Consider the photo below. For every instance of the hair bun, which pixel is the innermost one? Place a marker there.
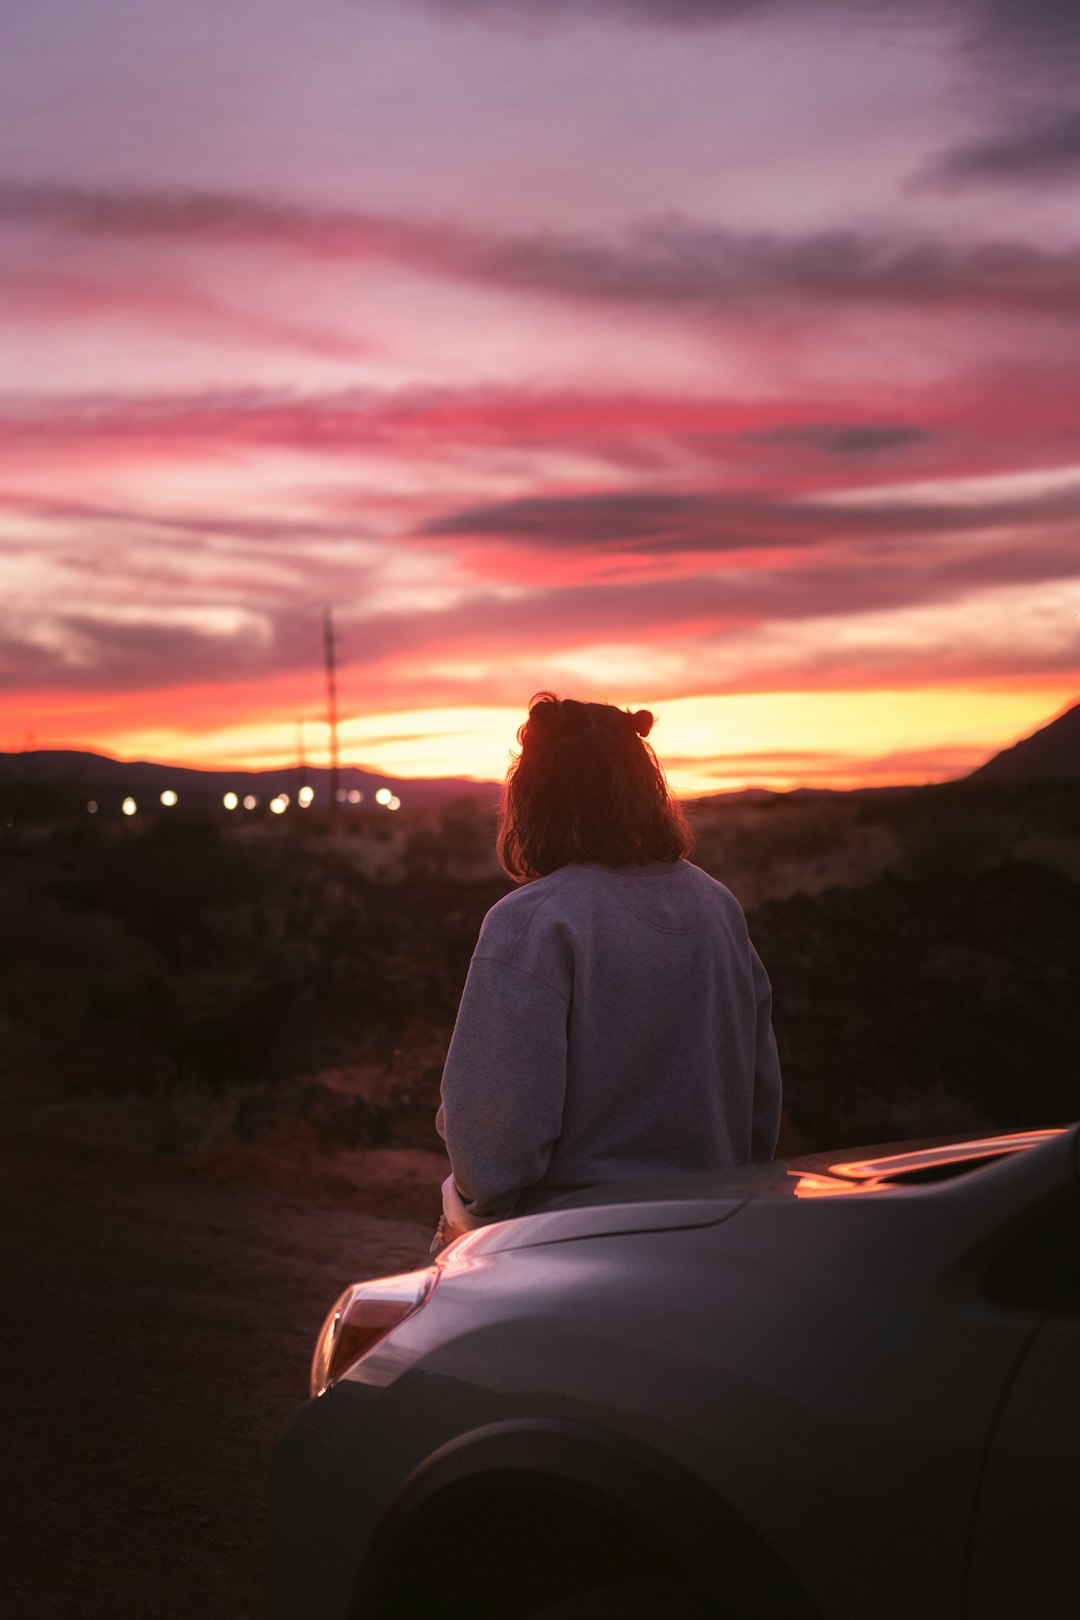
(544, 709)
(642, 722)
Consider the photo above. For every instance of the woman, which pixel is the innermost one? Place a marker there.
(615, 1022)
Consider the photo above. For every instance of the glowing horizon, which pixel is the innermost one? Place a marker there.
(476, 745)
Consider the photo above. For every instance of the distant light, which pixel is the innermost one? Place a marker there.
(355, 796)
(168, 797)
(393, 802)
(250, 801)
(284, 797)
(305, 796)
(92, 807)
(230, 801)
(383, 796)
(279, 805)
(341, 795)
(129, 807)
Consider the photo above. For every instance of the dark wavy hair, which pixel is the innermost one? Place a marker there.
(586, 787)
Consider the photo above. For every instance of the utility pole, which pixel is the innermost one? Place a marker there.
(331, 703)
(301, 763)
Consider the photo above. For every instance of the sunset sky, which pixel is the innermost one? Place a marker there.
(719, 356)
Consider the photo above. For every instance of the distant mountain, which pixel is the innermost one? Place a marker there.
(802, 795)
(110, 781)
(1051, 754)
(750, 795)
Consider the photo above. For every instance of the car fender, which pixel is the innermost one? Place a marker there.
(705, 1538)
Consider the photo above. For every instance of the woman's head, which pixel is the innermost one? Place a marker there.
(586, 787)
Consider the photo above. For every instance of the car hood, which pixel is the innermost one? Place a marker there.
(670, 1202)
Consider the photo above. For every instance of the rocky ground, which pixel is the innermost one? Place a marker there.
(159, 1313)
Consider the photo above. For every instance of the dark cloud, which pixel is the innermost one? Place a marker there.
(1049, 152)
(81, 649)
(1023, 35)
(1027, 59)
(725, 521)
(675, 262)
(222, 218)
(670, 262)
(25, 664)
(86, 652)
(843, 439)
(572, 520)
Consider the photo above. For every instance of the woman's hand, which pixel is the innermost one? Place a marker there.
(454, 1220)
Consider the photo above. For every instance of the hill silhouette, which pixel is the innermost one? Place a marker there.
(109, 781)
(1051, 754)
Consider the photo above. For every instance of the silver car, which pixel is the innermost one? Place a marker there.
(832, 1387)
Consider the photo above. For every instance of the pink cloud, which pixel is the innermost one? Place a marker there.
(62, 297)
(670, 262)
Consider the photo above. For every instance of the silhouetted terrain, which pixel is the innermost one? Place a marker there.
(299, 982)
(1051, 754)
(38, 781)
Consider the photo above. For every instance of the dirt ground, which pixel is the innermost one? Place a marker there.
(159, 1313)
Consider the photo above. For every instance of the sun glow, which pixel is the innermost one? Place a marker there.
(707, 743)
(838, 739)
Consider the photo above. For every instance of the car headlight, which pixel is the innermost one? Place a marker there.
(365, 1313)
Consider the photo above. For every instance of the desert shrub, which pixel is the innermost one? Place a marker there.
(964, 988)
(182, 951)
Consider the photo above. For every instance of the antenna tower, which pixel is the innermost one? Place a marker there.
(301, 762)
(331, 703)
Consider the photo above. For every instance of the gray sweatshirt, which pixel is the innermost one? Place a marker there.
(615, 1024)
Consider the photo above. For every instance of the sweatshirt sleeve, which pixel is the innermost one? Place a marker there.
(765, 1126)
(503, 1085)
